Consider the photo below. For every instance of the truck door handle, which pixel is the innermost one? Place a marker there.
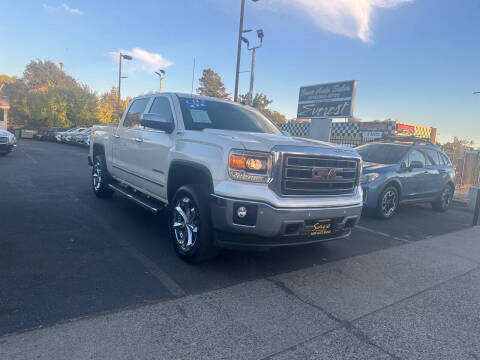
(116, 136)
(139, 140)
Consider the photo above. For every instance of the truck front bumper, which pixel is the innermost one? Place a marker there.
(268, 226)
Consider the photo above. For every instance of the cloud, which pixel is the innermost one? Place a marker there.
(143, 60)
(351, 18)
(64, 8)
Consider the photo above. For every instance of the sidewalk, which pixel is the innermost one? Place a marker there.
(416, 301)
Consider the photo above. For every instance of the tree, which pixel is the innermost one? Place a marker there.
(211, 85)
(261, 102)
(107, 107)
(16, 91)
(42, 75)
(457, 145)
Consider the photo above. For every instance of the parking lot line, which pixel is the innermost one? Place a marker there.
(28, 156)
(381, 233)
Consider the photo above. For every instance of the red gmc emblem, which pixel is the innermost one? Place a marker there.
(327, 174)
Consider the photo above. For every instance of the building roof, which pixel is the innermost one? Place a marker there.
(4, 101)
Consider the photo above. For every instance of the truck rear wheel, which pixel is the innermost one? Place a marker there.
(190, 224)
(101, 178)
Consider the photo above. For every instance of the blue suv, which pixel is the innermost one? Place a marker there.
(404, 169)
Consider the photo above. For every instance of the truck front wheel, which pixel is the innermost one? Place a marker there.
(190, 223)
(101, 178)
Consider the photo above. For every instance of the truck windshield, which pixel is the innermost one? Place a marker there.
(382, 153)
(199, 114)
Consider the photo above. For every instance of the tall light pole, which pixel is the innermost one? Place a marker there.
(126, 57)
(252, 71)
(161, 75)
(239, 47)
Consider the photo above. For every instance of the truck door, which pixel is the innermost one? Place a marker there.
(126, 141)
(154, 149)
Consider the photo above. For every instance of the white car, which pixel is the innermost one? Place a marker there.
(226, 174)
(8, 141)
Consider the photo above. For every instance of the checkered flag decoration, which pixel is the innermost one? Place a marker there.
(296, 129)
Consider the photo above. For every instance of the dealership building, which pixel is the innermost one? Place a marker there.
(4, 106)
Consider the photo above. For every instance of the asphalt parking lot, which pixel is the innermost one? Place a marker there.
(66, 254)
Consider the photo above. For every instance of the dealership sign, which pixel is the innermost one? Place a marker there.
(332, 100)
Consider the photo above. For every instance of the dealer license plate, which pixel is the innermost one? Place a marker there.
(321, 227)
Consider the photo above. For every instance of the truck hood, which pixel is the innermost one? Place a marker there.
(265, 142)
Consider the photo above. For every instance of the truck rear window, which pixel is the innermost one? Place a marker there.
(199, 114)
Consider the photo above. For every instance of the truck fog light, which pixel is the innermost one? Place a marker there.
(241, 212)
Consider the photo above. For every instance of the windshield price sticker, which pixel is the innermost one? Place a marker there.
(195, 104)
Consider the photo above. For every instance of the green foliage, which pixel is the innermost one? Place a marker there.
(262, 102)
(46, 96)
(211, 85)
(43, 75)
(108, 112)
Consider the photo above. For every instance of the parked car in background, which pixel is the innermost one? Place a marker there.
(405, 169)
(70, 137)
(60, 135)
(84, 137)
(8, 142)
(52, 133)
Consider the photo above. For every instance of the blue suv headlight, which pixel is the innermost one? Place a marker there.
(368, 178)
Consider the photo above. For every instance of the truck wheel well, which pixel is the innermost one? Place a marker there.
(184, 173)
(97, 149)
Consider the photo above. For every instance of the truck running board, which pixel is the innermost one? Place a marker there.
(136, 198)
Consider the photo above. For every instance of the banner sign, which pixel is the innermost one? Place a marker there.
(406, 128)
(332, 100)
(373, 126)
(372, 134)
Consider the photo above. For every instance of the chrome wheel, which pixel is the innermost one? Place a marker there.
(186, 223)
(389, 203)
(97, 175)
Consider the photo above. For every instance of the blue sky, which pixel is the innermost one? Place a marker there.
(415, 60)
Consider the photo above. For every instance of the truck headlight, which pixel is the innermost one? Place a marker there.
(368, 178)
(250, 166)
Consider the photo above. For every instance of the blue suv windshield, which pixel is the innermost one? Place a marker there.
(382, 153)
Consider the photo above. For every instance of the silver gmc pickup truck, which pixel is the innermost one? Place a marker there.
(226, 175)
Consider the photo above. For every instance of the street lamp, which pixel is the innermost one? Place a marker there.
(239, 47)
(161, 75)
(120, 77)
(252, 71)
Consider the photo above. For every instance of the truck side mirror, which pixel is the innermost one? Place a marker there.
(157, 122)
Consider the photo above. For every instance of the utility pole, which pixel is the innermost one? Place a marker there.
(252, 77)
(161, 75)
(252, 71)
(239, 49)
(126, 57)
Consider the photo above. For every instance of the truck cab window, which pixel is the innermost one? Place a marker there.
(132, 119)
(161, 106)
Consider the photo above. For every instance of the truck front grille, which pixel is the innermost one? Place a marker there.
(3, 140)
(318, 175)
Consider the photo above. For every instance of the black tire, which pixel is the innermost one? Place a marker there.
(194, 223)
(101, 178)
(388, 202)
(444, 200)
